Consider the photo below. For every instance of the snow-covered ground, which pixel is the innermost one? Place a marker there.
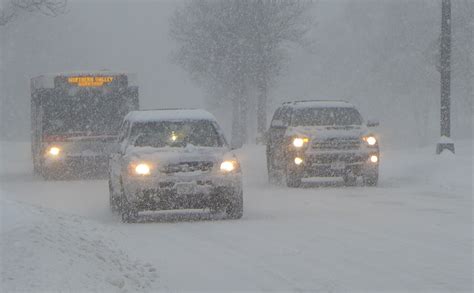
(411, 233)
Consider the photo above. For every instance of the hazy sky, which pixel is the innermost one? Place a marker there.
(372, 53)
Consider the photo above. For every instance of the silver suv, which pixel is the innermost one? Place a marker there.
(173, 159)
(321, 139)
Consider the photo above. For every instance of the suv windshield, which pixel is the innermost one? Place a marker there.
(175, 134)
(326, 116)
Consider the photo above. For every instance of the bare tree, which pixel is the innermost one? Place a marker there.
(236, 47)
(13, 8)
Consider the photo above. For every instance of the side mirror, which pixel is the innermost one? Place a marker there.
(372, 123)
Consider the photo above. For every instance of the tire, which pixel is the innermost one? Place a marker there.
(49, 174)
(293, 179)
(350, 180)
(272, 173)
(114, 201)
(36, 167)
(371, 180)
(235, 209)
(129, 214)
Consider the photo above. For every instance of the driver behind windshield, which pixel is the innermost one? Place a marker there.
(175, 134)
(326, 117)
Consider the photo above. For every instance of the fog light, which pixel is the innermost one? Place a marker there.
(374, 159)
(298, 161)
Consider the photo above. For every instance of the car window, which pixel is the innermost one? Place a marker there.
(123, 131)
(175, 134)
(286, 116)
(276, 121)
(326, 117)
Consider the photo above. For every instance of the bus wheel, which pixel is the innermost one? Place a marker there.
(49, 174)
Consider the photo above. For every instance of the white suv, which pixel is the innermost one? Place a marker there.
(173, 159)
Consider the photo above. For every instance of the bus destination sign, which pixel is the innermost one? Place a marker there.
(90, 81)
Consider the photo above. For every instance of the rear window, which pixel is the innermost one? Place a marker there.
(326, 117)
(175, 134)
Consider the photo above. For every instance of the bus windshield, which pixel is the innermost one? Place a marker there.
(88, 112)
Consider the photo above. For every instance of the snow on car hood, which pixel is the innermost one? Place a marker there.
(328, 132)
(173, 155)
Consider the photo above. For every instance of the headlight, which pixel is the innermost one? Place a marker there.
(142, 169)
(54, 151)
(370, 140)
(374, 159)
(229, 166)
(298, 161)
(299, 141)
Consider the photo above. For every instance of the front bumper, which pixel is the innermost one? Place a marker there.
(166, 192)
(335, 163)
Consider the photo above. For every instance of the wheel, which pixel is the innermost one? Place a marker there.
(272, 173)
(350, 180)
(371, 180)
(293, 179)
(114, 201)
(36, 167)
(129, 216)
(129, 213)
(235, 209)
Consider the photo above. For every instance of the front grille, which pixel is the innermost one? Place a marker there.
(337, 144)
(331, 158)
(185, 167)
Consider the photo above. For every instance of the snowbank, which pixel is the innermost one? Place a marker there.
(44, 250)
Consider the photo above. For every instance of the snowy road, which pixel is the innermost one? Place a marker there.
(412, 233)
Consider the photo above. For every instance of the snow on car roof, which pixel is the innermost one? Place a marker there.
(320, 104)
(169, 114)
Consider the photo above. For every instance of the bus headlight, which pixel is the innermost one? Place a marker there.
(228, 166)
(54, 151)
(299, 142)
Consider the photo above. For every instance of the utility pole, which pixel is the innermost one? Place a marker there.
(445, 141)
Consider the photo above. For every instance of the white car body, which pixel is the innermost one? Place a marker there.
(188, 177)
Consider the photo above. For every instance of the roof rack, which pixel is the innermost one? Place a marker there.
(309, 101)
(164, 109)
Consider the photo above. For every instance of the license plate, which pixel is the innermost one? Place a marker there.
(185, 188)
(338, 165)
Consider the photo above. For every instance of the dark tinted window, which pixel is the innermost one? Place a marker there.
(326, 116)
(175, 134)
(277, 115)
(286, 116)
(90, 111)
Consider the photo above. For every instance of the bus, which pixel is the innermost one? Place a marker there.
(75, 118)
